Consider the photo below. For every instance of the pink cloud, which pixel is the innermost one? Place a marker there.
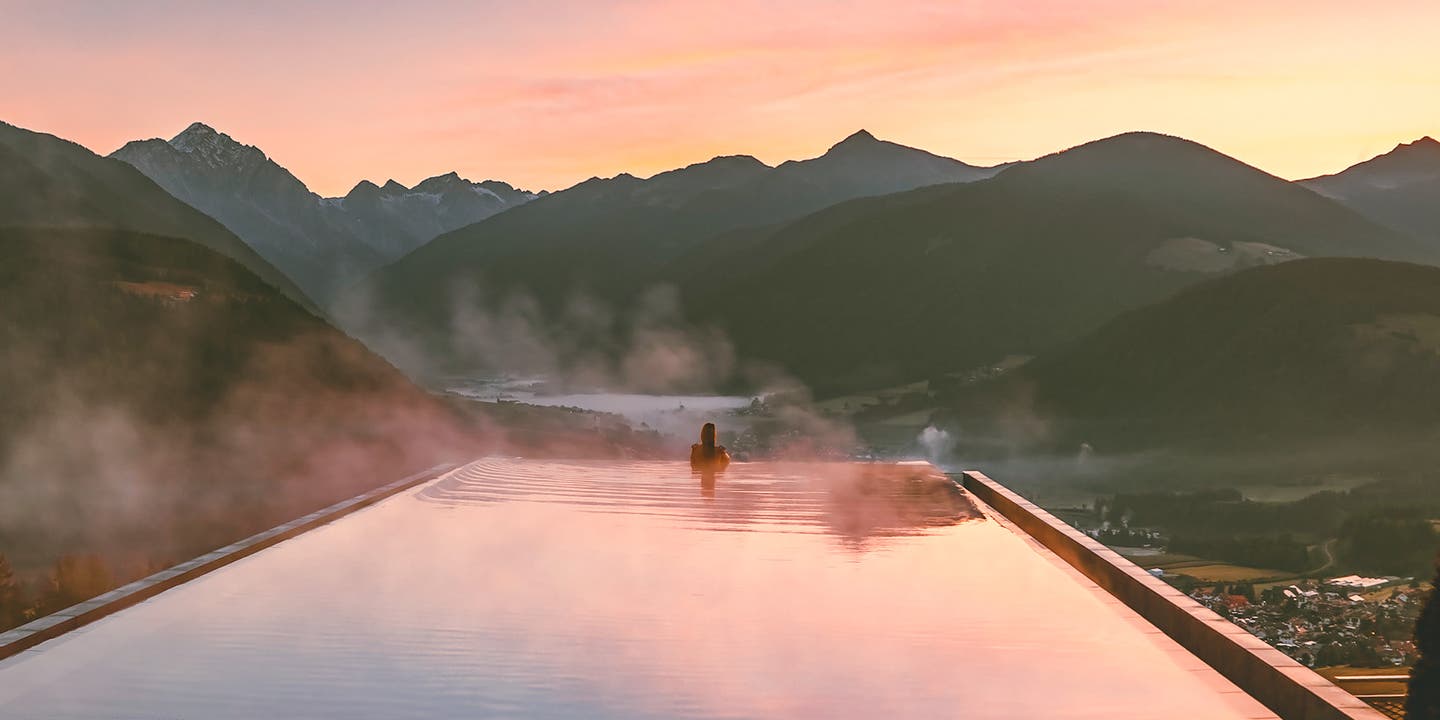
(545, 96)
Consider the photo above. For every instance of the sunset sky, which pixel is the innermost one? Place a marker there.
(545, 95)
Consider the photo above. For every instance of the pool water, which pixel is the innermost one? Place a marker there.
(514, 588)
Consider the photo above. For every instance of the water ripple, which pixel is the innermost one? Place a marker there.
(848, 499)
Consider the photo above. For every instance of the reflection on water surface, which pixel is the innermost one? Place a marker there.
(851, 500)
(633, 590)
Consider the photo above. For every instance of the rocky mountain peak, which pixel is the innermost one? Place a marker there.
(442, 183)
(215, 147)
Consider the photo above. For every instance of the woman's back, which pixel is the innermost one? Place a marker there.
(710, 458)
(706, 454)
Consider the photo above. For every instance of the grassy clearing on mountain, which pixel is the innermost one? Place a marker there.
(1222, 572)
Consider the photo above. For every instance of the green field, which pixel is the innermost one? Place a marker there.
(1223, 572)
(1366, 687)
(1205, 570)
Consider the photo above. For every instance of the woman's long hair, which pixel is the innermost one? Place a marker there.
(707, 438)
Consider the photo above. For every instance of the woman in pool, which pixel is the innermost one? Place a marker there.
(706, 455)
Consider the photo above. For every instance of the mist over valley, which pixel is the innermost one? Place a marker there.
(1196, 360)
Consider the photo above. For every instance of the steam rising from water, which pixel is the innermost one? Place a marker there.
(233, 411)
(937, 443)
(590, 346)
(647, 347)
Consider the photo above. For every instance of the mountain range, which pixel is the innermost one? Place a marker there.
(321, 243)
(49, 182)
(1161, 289)
(1333, 354)
(849, 287)
(1400, 189)
(869, 265)
(609, 240)
(886, 290)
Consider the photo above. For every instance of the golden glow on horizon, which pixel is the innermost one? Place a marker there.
(340, 92)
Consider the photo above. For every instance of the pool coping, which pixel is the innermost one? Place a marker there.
(49, 627)
(1280, 683)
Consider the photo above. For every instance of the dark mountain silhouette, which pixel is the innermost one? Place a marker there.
(610, 238)
(1400, 189)
(47, 181)
(862, 165)
(323, 243)
(161, 400)
(162, 394)
(1315, 353)
(900, 287)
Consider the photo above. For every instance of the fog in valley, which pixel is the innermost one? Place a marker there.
(645, 363)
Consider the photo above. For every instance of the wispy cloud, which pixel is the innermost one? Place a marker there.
(545, 96)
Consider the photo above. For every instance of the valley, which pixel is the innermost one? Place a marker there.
(710, 359)
(1228, 376)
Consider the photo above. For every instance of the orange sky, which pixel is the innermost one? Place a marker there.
(546, 95)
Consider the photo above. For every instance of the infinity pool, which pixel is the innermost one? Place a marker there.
(515, 588)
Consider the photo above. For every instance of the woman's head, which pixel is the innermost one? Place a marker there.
(707, 435)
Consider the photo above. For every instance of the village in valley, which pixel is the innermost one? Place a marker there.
(1352, 621)
(1321, 621)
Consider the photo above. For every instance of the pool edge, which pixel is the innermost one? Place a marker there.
(1286, 687)
(49, 627)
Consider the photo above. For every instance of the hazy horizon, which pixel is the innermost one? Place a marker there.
(543, 100)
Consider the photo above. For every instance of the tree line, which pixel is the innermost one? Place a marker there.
(1383, 528)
